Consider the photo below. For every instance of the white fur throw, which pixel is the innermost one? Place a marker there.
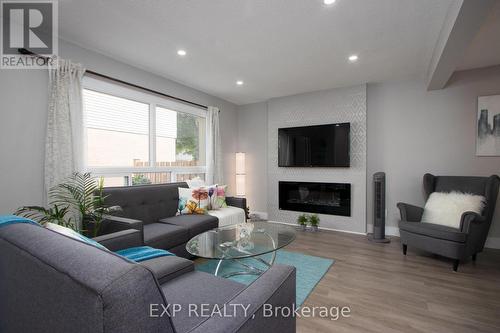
(447, 208)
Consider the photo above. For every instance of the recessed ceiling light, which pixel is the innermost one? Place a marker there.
(353, 58)
(239, 82)
(329, 2)
(182, 53)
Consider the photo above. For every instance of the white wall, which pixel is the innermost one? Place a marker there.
(321, 107)
(412, 131)
(252, 139)
(108, 66)
(23, 107)
(257, 130)
(23, 113)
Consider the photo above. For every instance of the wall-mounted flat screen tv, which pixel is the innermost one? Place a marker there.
(314, 146)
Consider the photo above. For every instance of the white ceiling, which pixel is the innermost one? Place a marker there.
(484, 50)
(277, 47)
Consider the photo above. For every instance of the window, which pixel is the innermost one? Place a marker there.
(136, 138)
(117, 130)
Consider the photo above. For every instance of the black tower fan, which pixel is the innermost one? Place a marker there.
(378, 235)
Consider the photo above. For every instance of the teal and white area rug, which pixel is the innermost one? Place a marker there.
(310, 270)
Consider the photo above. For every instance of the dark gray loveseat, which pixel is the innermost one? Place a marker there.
(151, 209)
(55, 284)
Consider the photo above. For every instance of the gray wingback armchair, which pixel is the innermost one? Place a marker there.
(457, 244)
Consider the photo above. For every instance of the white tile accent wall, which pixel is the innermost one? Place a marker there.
(323, 107)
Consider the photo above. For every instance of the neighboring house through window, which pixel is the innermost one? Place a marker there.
(135, 138)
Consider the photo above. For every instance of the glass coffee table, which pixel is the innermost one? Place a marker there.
(241, 241)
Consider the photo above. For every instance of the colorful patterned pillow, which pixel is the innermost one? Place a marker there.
(193, 200)
(220, 200)
(212, 196)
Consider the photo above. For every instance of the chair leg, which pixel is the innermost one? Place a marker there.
(455, 264)
(405, 247)
(474, 257)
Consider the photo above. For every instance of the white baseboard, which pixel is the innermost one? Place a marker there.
(389, 231)
(491, 242)
(323, 228)
(262, 215)
(392, 231)
(345, 231)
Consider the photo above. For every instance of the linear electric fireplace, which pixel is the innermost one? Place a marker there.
(323, 198)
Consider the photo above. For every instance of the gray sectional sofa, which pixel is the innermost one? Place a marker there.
(152, 209)
(53, 283)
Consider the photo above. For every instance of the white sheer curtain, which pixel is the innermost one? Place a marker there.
(214, 154)
(64, 144)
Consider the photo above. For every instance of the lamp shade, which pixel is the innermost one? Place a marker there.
(240, 185)
(240, 174)
(240, 163)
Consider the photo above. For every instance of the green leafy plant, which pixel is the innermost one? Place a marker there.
(187, 135)
(302, 220)
(140, 179)
(79, 200)
(314, 220)
(44, 215)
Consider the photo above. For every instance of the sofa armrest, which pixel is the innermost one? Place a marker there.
(120, 240)
(112, 224)
(470, 221)
(238, 202)
(409, 212)
(275, 288)
(168, 267)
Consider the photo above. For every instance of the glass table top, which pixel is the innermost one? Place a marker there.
(241, 240)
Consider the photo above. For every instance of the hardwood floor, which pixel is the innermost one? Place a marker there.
(388, 292)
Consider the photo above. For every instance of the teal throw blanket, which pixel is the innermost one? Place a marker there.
(12, 219)
(142, 253)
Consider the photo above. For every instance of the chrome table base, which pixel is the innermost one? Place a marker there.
(249, 269)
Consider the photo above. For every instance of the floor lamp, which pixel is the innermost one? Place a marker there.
(240, 174)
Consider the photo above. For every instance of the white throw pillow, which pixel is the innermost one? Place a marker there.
(73, 234)
(195, 182)
(447, 208)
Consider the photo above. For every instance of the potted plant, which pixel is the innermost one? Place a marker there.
(314, 222)
(76, 203)
(302, 221)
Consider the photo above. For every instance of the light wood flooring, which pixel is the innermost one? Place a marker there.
(388, 292)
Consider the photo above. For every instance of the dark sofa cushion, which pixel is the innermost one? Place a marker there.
(191, 288)
(147, 203)
(433, 230)
(168, 268)
(164, 236)
(196, 224)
